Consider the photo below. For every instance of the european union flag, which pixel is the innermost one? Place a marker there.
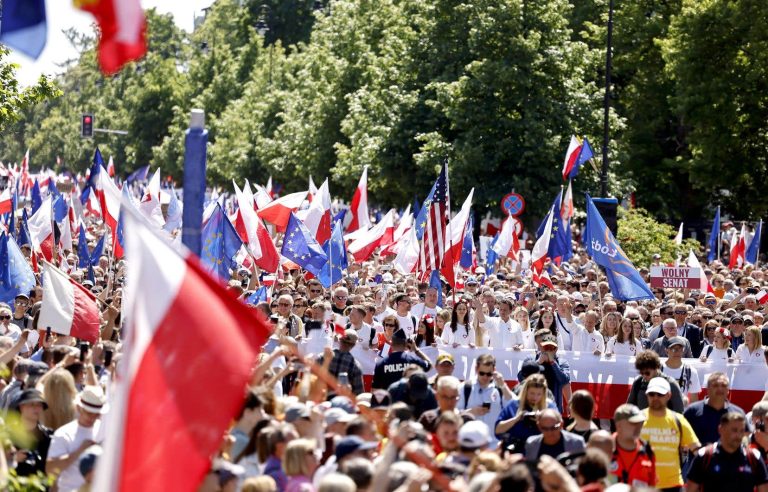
(754, 245)
(83, 256)
(340, 216)
(301, 248)
(421, 218)
(24, 235)
(714, 238)
(467, 245)
(585, 154)
(138, 175)
(625, 282)
(337, 255)
(98, 250)
(24, 26)
(260, 295)
(491, 256)
(98, 163)
(37, 197)
(434, 282)
(560, 246)
(16, 275)
(220, 244)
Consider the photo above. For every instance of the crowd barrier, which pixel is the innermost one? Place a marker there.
(607, 378)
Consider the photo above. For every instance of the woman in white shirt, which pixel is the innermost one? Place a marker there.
(524, 320)
(460, 331)
(624, 343)
(610, 325)
(751, 351)
(721, 351)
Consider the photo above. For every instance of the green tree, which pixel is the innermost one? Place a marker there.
(640, 236)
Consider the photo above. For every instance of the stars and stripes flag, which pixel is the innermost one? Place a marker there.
(438, 210)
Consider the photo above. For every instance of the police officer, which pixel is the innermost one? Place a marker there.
(390, 369)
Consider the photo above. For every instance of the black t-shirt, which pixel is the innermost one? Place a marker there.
(554, 450)
(713, 469)
(390, 369)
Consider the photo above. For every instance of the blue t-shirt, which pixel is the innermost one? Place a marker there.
(705, 419)
(522, 430)
(390, 369)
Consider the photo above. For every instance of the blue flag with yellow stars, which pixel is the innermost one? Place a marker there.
(624, 280)
(220, 244)
(16, 276)
(300, 247)
(337, 254)
(560, 245)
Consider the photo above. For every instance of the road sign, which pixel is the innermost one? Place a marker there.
(513, 204)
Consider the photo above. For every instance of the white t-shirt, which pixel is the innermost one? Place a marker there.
(625, 348)
(565, 331)
(420, 309)
(66, 440)
(528, 341)
(406, 324)
(756, 357)
(461, 337)
(694, 386)
(717, 355)
(501, 334)
(584, 341)
(477, 397)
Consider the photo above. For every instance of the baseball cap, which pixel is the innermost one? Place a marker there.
(344, 403)
(676, 341)
(471, 280)
(658, 385)
(295, 412)
(474, 434)
(351, 444)
(630, 413)
(336, 415)
(549, 340)
(445, 357)
(349, 337)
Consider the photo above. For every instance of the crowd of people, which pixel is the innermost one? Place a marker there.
(318, 422)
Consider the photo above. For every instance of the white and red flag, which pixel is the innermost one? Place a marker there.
(41, 229)
(5, 201)
(68, 308)
(455, 240)
(508, 244)
(539, 253)
(379, 235)
(174, 400)
(279, 211)
(738, 248)
(359, 207)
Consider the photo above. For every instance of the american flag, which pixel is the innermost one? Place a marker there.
(437, 203)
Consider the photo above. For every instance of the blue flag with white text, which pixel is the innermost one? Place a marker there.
(624, 280)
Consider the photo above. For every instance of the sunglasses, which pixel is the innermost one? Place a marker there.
(316, 291)
(300, 305)
(5, 317)
(681, 312)
(390, 325)
(341, 297)
(483, 373)
(550, 429)
(284, 304)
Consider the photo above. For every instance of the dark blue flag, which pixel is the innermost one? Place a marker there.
(491, 256)
(337, 255)
(714, 238)
(98, 250)
(340, 216)
(138, 175)
(220, 244)
(467, 245)
(23, 230)
(37, 197)
(754, 247)
(16, 276)
(300, 247)
(625, 282)
(560, 246)
(421, 218)
(82, 249)
(91, 274)
(12, 215)
(416, 208)
(435, 283)
(24, 26)
(260, 295)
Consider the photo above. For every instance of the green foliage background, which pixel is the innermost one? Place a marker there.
(496, 87)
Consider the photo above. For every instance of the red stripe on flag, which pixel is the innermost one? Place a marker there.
(85, 320)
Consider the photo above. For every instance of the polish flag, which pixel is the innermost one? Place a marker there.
(693, 262)
(409, 253)
(162, 380)
(5, 201)
(571, 156)
(455, 229)
(279, 211)
(150, 203)
(262, 198)
(762, 297)
(68, 308)
(566, 210)
(359, 207)
(111, 167)
(738, 249)
(398, 237)
(539, 254)
(379, 235)
(246, 222)
(109, 200)
(508, 244)
(317, 217)
(41, 229)
(122, 29)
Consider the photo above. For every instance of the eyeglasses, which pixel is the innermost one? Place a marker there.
(390, 325)
(681, 312)
(737, 322)
(5, 317)
(284, 304)
(316, 291)
(300, 305)
(550, 429)
(483, 373)
(634, 318)
(341, 298)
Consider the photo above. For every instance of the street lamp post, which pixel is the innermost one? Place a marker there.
(262, 27)
(607, 103)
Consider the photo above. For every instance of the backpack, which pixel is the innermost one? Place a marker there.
(685, 378)
(468, 391)
(710, 348)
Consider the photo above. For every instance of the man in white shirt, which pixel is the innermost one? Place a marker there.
(365, 332)
(565, 322)
(429, 306)
(72, 439)
(487, 395)
(407, 322)
(382, 303)
(586, 338)
(503, 331)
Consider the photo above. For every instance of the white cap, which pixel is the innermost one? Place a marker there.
(474, 434)
(658, 385)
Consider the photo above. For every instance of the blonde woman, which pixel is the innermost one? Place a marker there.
(299, 464)
(523, 318)
(610, 325)
(443, 318)
(624, 343)
(517, 421)
(751, 351)
(721, 351)
(60, 392)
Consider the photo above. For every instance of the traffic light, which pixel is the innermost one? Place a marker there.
(86, 125)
